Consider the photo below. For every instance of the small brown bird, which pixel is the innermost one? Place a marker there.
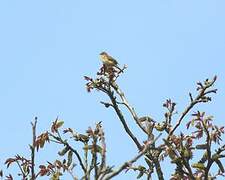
(108, 60)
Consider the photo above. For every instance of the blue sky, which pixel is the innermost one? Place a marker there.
(46, 47)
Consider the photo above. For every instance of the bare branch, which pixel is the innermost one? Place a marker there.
(32, 147)
(125, 102)
(128, 163)
(72, 149)
(201, 95)
(122, 119)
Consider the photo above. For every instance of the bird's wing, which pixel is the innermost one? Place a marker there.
(112, 59)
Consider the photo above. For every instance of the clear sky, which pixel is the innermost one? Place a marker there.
(47, 46)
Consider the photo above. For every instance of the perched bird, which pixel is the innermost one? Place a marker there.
(145, 119)
(108, 60)
(147, 124)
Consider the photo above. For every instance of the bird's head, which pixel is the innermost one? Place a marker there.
(103, 53)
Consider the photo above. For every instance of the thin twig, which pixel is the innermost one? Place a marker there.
(86, 158)
(103, 153)
(72, 149)
(33, 147)
(94, 156)
(208, 149)
(128, 163)
(201, 94)
(21, 169)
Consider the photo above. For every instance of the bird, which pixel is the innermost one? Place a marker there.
(108, 60)
(147, 123)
